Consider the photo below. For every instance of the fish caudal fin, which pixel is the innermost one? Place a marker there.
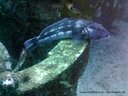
(30, 44)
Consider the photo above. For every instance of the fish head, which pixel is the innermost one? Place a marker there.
(96, 31)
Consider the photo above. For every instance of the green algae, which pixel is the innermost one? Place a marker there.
(59, 59)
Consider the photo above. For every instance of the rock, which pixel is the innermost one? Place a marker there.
(57, 74)
(5, 63)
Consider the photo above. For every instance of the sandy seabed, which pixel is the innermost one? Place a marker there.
(107, 71)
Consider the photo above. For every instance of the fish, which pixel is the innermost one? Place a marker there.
(67, 28)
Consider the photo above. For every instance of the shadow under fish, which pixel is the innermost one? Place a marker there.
(68, 28)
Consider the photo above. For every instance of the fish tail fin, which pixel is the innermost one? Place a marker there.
(31, 44)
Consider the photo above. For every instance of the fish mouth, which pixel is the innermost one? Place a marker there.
(98, 31)
(100, 34)
(105, 34)
(105, 37)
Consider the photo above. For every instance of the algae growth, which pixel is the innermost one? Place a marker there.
(59, 59)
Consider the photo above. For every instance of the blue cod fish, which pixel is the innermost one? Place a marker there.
(68, 28)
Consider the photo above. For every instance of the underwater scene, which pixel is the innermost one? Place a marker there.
(63, 47)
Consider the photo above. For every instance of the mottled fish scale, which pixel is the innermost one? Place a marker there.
(67, 29)
(54, 26)
(65, 23)
(74, 25)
